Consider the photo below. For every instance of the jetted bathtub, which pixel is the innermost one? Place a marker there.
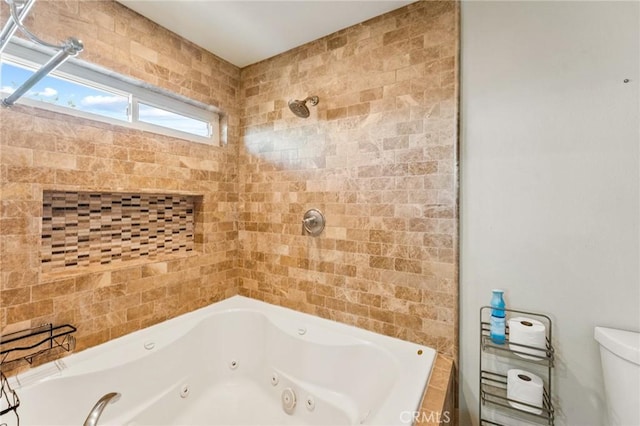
(236, 362)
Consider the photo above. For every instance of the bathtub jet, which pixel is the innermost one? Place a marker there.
(300, 108)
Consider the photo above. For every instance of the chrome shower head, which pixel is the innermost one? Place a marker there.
(300, 108)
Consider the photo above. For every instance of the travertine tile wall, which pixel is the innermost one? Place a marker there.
(377, 156)
(41, 150)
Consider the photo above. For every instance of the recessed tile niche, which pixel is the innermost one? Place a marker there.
(81, 229)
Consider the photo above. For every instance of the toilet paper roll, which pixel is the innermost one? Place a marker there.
(530, 332)
(524, 387)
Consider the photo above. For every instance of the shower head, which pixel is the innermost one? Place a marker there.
(300, 109)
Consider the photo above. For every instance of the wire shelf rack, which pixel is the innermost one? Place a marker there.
(28, 344)
(493, 385)
(9, 401)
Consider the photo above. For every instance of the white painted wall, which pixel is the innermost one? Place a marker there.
(550, 180)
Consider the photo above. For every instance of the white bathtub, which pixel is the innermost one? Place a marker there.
(228, 364)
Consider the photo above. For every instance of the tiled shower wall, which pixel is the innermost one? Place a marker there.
(46, 151)
(377, 156)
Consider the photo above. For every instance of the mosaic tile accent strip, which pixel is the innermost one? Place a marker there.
(89, 228)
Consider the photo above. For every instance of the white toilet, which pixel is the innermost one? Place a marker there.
(620, 354)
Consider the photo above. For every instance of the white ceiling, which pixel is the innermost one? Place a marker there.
(246, 32)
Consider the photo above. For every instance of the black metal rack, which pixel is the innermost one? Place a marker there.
(35, 341)
(26, 345)
(9, 400)
(493, 385)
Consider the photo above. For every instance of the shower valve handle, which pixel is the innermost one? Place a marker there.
(306, 224)
(313, 223)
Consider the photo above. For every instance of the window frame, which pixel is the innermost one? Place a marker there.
(28, 55)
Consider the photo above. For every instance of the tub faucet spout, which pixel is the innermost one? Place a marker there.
(96, 411)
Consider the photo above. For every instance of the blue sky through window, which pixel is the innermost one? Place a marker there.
(102, 102)
(65, 93)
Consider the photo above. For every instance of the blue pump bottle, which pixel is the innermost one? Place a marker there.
(497, 325)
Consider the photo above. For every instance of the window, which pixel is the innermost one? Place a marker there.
(85, 90)
(65, 93)
(161, 117)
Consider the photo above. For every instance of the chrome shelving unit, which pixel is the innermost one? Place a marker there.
(493, 385)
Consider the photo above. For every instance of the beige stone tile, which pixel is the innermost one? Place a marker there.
(52, 289)
(27, 311)
(377, 156)
(17, 296)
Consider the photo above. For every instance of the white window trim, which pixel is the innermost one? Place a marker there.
(30, 55)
